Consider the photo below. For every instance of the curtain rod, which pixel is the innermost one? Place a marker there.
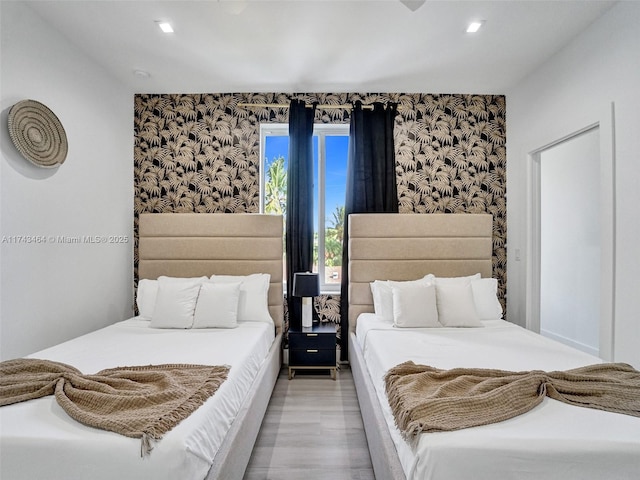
(286, 105)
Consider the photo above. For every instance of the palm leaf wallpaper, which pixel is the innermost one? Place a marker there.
(201, 153)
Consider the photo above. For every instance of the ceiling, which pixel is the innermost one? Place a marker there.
(320, 45)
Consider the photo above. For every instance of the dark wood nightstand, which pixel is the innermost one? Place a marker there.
(313, 348)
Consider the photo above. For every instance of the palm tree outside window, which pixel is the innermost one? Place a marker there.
(330, 147)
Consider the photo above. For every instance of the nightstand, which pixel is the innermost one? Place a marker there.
(313, 348)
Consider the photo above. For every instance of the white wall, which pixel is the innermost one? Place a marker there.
(52, 291)
(570, 241)
(572, 90)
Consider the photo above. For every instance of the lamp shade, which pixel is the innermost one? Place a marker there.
(306, 284)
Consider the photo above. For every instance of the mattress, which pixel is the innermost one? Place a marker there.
(39, 440)
(552, 441)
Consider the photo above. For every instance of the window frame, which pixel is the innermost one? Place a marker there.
(320, 130)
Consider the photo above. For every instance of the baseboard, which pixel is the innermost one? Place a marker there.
(572, 343)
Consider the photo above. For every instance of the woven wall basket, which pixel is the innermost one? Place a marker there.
(37, 134)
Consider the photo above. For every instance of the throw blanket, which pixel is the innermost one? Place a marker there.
(141, 402)
(427, 399)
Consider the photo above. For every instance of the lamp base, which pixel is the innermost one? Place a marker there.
(307, 319)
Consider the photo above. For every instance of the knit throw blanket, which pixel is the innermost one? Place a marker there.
(427, 399)
(141, 402)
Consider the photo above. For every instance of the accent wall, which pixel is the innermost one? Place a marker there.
(201, 153)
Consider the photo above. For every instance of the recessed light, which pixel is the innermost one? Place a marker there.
(474, 27)
(165, 27)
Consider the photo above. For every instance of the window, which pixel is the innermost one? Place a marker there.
(330, 144)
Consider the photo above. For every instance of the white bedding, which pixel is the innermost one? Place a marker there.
(39, 440)
(552, 441)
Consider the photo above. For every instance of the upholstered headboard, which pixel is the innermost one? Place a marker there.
(196, 244)
(391, 246)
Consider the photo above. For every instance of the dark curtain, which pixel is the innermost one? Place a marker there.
(371, 183)
(299, 221)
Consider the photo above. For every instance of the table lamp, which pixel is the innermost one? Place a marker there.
(306, 285)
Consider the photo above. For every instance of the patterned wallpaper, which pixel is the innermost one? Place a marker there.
(201, 153)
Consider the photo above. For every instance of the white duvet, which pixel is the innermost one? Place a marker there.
(552, 441)
(38, 440)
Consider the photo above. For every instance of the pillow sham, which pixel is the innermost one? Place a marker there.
(456, 280)
(146, 297)
(175, 304)
(148, 292)
(382, 299)
(414, 305)
(217, 305)
(253, 304)
(382, 293)
(485, 296)
(455, 303)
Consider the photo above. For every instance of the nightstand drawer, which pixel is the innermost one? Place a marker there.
(318, 341)
(312, 357)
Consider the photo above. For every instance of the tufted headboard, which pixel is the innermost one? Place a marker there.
(196, 244)
(392, 246)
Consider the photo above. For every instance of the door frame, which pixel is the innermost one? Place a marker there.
(606, 127)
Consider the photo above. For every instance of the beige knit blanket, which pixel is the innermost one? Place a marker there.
(141, 402)
(427, 399)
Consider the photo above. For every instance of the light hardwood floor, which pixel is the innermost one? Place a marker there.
(312, 431)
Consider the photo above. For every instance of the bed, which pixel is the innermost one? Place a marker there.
(552, 441)
(38, 439)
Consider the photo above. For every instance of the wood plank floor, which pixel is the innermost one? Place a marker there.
(313, 431)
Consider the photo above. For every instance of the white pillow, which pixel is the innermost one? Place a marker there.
(148, 291)
(254, 295)
(383, 295)
(146, 297)
(414, 305)
(456, 307)
(175, 304)
(485, 296)
(456, 280)
(217, 305)
(382, 299)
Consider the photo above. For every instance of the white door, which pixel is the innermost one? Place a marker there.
(570, 241)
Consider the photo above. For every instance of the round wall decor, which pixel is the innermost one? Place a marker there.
(37, 134)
